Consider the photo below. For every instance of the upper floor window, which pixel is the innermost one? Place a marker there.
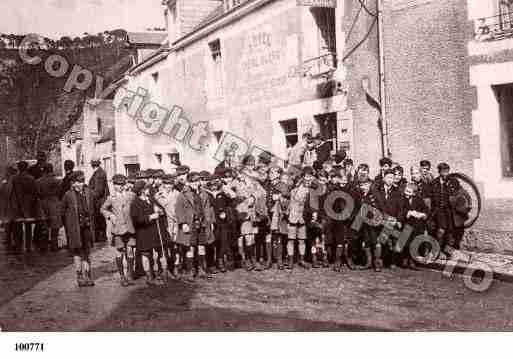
(216, 76)
(230, 4)
(494, 20)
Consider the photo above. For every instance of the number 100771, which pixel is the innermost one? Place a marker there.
(29, 347)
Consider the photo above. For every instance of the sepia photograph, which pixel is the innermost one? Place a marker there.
(255, 166)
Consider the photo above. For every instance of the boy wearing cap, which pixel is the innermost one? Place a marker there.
(338, 211)
(116, 210)
(144, 217)
(195, 221)
(78, 212)
(388, 203)
(250, 199)
(385, 164)
(444, 191)
(167, 197)
(297, 224)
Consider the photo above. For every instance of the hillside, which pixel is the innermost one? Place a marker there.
(35, 111)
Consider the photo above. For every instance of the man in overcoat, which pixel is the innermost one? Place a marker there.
(48, 189)
(99, 187)
(195, 225)
(78, 212)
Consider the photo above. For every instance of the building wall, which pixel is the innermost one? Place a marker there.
(491, 64)
(258, 53)
(429, 99)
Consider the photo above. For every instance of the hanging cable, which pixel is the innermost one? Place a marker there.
(362, 3)
(354, 23)
(350, 52)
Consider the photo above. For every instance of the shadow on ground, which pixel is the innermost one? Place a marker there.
(170, 308)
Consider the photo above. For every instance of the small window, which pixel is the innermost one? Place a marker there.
(218, 135)
(99, 125)
(290, 130)
(217, 68)
(158, 156)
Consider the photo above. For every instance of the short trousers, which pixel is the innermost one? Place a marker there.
(87, 243)
(127, 239)
(297, 231)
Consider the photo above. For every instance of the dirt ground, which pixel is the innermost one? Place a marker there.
(38, 293)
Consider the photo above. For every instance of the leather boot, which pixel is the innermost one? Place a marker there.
(130, 269)
(80, 280)
(325, 261)
(278, 254)
(188, 274)
(269, 252)
(220, 265)
(290, 262)
(302, 262)
(315, 261)
(378, 262)
(88, 279)
(349, 258)
(119, 264)
(338, 259)
(368, 258)
(202, 268)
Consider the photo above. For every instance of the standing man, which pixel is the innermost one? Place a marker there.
(450, 209)
(69, 166)
(117, 210)
(48, 188)
(194, 226)
(78, 212)
(99, 188)
(22, 197)
(37, 171)
(388, 202)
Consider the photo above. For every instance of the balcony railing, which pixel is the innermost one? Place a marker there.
(494, 27)
(320, 65)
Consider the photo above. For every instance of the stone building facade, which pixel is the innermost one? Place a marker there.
(262, 72)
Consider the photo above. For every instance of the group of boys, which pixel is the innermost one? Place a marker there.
(259, 215)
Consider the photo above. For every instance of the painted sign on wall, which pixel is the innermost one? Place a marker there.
(317, 3)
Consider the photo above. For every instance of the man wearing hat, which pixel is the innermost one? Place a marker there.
(297, 224)
(181, 176)
(116, 209)
(78, 211)
(166, 198)
(48, 188)
(37, 171)
(99, 187)
(195, 218)
(448, 217)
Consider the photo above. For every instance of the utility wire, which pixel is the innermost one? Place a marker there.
(354, 23)
(350, 52)
(362, 3)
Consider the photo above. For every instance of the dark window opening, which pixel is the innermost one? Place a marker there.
(328, 127)
(504, 95)
(290, 130)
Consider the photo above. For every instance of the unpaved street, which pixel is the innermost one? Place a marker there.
(38, 293)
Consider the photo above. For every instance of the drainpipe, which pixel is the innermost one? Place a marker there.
(382, 89)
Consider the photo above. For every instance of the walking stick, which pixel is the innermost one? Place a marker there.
(163, 260)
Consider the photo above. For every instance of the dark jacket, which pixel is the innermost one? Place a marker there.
(415, 204)
(48, 189)
(99, 187)
(185, 215)
(388, 206)
(37, 170)
(71, 219)
(146, 232)
(22, 197)
(65, 185)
